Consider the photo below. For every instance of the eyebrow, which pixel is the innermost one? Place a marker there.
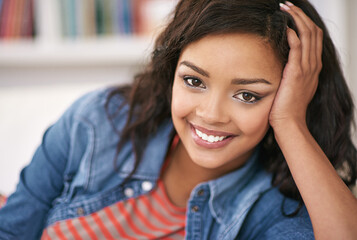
(236, 81)
(195, 68)
(244, 81)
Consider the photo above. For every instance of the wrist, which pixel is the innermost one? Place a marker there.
(289, 127)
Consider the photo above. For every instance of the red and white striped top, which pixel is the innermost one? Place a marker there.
(149, 216)
(2, 200)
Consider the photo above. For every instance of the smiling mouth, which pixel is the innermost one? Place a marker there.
(210, 138)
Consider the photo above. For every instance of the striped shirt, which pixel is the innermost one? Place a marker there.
(149, 216)
(2, 200)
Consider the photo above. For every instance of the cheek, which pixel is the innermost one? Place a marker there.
(254, 121)
(181, 104)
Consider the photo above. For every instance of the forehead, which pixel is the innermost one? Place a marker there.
(236, 54)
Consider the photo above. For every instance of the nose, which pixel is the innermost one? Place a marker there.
(213, 110)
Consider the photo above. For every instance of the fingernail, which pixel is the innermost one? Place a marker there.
(283, 6)
(289, 3)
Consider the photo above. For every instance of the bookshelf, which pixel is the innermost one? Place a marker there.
(41, 76)
(52, 45)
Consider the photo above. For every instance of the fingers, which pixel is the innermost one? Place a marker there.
(305, 34)
(310, 37)
(319, 48)
(295, 54)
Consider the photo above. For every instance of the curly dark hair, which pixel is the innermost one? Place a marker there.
(329, 115)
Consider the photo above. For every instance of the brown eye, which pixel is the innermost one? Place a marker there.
(247, 97)
(194, 82)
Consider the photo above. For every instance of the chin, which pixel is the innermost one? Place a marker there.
(219, 158)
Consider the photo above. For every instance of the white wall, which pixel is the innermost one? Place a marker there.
(352, 40)
(33, 98)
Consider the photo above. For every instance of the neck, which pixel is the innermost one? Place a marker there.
(188, 169)
(182, 175)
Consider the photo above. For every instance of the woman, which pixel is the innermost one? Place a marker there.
(234, 130)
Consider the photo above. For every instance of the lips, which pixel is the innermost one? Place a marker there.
(209, 138)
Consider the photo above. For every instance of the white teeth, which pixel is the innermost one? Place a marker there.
(209, 138)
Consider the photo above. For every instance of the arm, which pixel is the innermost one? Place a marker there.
(331, 205)
(41, 181)
(24, 214)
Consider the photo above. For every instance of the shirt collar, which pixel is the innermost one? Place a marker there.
(232, 194)
(153, 156)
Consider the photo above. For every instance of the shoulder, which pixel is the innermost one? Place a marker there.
(83, 133)
(268, 219)
(94, 109)
(93, 104)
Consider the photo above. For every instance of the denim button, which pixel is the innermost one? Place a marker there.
(195, 209)
(146, 186)
(200, 192)
(80, 211)
(129, 192)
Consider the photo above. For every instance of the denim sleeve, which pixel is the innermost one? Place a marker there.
(24, 214)
(288, 230)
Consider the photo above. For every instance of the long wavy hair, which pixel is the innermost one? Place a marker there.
(329, 115)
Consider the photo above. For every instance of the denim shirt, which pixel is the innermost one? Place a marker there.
(72, 174)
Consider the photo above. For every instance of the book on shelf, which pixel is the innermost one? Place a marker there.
(85, 18)
(16, 19)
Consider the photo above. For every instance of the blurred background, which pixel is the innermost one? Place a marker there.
(53, 51)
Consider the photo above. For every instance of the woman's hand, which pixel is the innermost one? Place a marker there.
(328, 200)
(300, 76)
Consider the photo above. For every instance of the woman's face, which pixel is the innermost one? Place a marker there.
(223, 91)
